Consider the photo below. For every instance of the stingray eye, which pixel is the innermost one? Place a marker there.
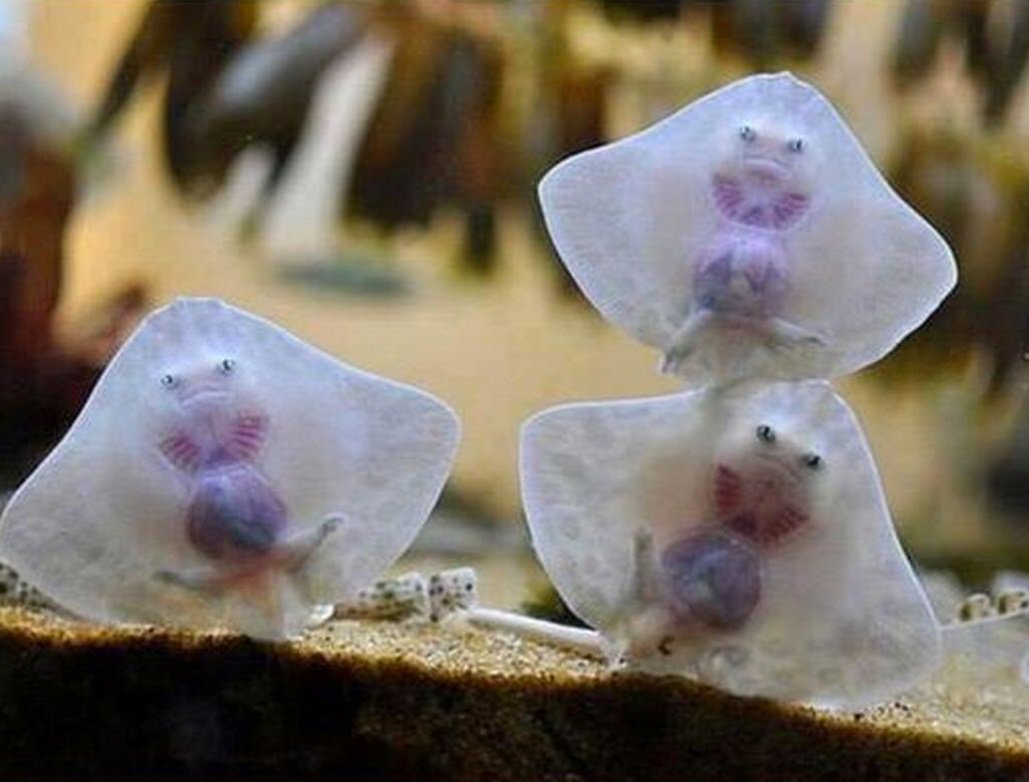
(747, 133)
(169, 381)
(226, 366)
(812, 460)
(795, 145)
(766, 434)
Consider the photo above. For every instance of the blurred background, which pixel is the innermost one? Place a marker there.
(364, 174)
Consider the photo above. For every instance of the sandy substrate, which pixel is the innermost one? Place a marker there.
(363, 700)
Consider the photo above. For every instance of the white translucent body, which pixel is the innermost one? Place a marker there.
(632, 219)
(105, 512)
(841, 621)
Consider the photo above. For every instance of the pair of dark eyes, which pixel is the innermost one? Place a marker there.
(225, 366)
(766, 434)
(748, 134)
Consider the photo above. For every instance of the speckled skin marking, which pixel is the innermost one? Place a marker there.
(404, 597)
(234, 515)
(741, 275)
(451, 591)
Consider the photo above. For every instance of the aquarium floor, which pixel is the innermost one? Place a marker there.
(378, 701)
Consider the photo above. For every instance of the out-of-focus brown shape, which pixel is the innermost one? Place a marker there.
(995, 37)
(191, 42)
(434, 139)
(263, 93)
(760, 32)
(1006, 64)
(432, 142)
(43, 383)
(802, 24)
(36, 202)
(647, 11)
(763, 33)
(1007, 473)
(918, 40)
(39, 390)
(975, 191)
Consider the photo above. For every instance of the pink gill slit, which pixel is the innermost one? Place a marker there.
(765, 530)
(181, 452)
(248, 436)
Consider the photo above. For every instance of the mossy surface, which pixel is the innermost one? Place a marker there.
(407, 702)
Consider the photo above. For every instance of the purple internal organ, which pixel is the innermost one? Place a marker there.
(762, 496)
(742, 274)
(743, 269)
(712, 578)
(234, 513)
(234, 516)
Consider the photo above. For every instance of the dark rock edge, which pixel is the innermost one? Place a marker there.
(138, 704)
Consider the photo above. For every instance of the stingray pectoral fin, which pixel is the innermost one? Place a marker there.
(685, 340)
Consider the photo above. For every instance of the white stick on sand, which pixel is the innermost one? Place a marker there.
(455, 593)
(577, 639)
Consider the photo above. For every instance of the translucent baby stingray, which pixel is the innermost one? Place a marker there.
(747, 235)
(224, 473)
(738, 537)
